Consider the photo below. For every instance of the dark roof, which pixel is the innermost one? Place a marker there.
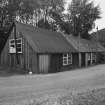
(83, 45)
(100, 36)
(44, 41)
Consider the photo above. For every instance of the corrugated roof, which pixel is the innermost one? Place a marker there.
(44, 41)
(83, 45)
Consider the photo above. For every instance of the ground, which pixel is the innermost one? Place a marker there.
(23, 88)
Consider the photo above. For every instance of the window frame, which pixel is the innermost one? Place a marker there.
(93, 56)
(67, 60)
(89, 57)
(21, 42)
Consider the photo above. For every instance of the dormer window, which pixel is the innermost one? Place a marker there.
(12, 46)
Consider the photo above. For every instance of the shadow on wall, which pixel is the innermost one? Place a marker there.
(101, 58)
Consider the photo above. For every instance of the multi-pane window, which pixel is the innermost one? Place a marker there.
(89, 57)
(67, 59)
(13, 47)
(93, 57)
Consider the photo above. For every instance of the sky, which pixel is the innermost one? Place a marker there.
(100, 22)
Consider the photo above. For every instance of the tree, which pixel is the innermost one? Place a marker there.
(82, 15)
(9, 9)
(52, 10)
(22, 8)
(44, 24)
(27, 9)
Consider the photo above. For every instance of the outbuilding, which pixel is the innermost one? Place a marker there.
(37, 50)
(87, 51)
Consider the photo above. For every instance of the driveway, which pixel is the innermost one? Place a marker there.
(14, 89)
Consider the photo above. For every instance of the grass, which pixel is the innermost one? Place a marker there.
(89, 97)
(11, 71)
(55, 89)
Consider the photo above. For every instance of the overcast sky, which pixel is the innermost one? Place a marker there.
(100, 22)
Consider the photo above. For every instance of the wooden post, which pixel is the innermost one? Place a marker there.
(79, 59)
(97, 39)
(86, 59)
(91, 59)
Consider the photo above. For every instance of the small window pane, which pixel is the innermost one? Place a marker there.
(19, 45)
(64, 55)
(69, 55)
(12, 41)
(65, 59)
(12, 46)
(18, 41)
(69, 61)
(65, 63)
(18, 49)
(93, 56)
(89, 56)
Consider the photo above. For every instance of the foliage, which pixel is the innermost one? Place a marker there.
(52, 9)
(49, 14)
(12, 8)
(44, 24)
(82, 15)
(79, 19)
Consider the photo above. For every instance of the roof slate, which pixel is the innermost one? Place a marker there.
(100, 35)
(83, 45)
(44, 41)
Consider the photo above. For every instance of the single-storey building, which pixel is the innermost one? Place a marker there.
(43, 51)
(99, 36)
(87, 50)
(37, 50)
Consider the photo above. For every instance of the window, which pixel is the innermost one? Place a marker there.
(93, 57)
(67, 59)
(89, 57)
(19, 45)
(12, 47)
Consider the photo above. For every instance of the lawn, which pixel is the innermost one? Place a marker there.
(22, 89)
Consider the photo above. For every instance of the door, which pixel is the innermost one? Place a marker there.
(44, 63)
(83, 59)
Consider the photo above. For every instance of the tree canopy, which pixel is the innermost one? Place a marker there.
(49, 14)
(82, 15)
(79, 20)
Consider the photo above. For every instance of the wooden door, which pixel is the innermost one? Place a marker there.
(83, 59)
(44, 63)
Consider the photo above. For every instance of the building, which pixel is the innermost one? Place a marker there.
(43, 51)
(87, 51)
(37, 50)
(100, 36)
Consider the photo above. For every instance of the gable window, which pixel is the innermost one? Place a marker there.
(12, 46)
(67, 59)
